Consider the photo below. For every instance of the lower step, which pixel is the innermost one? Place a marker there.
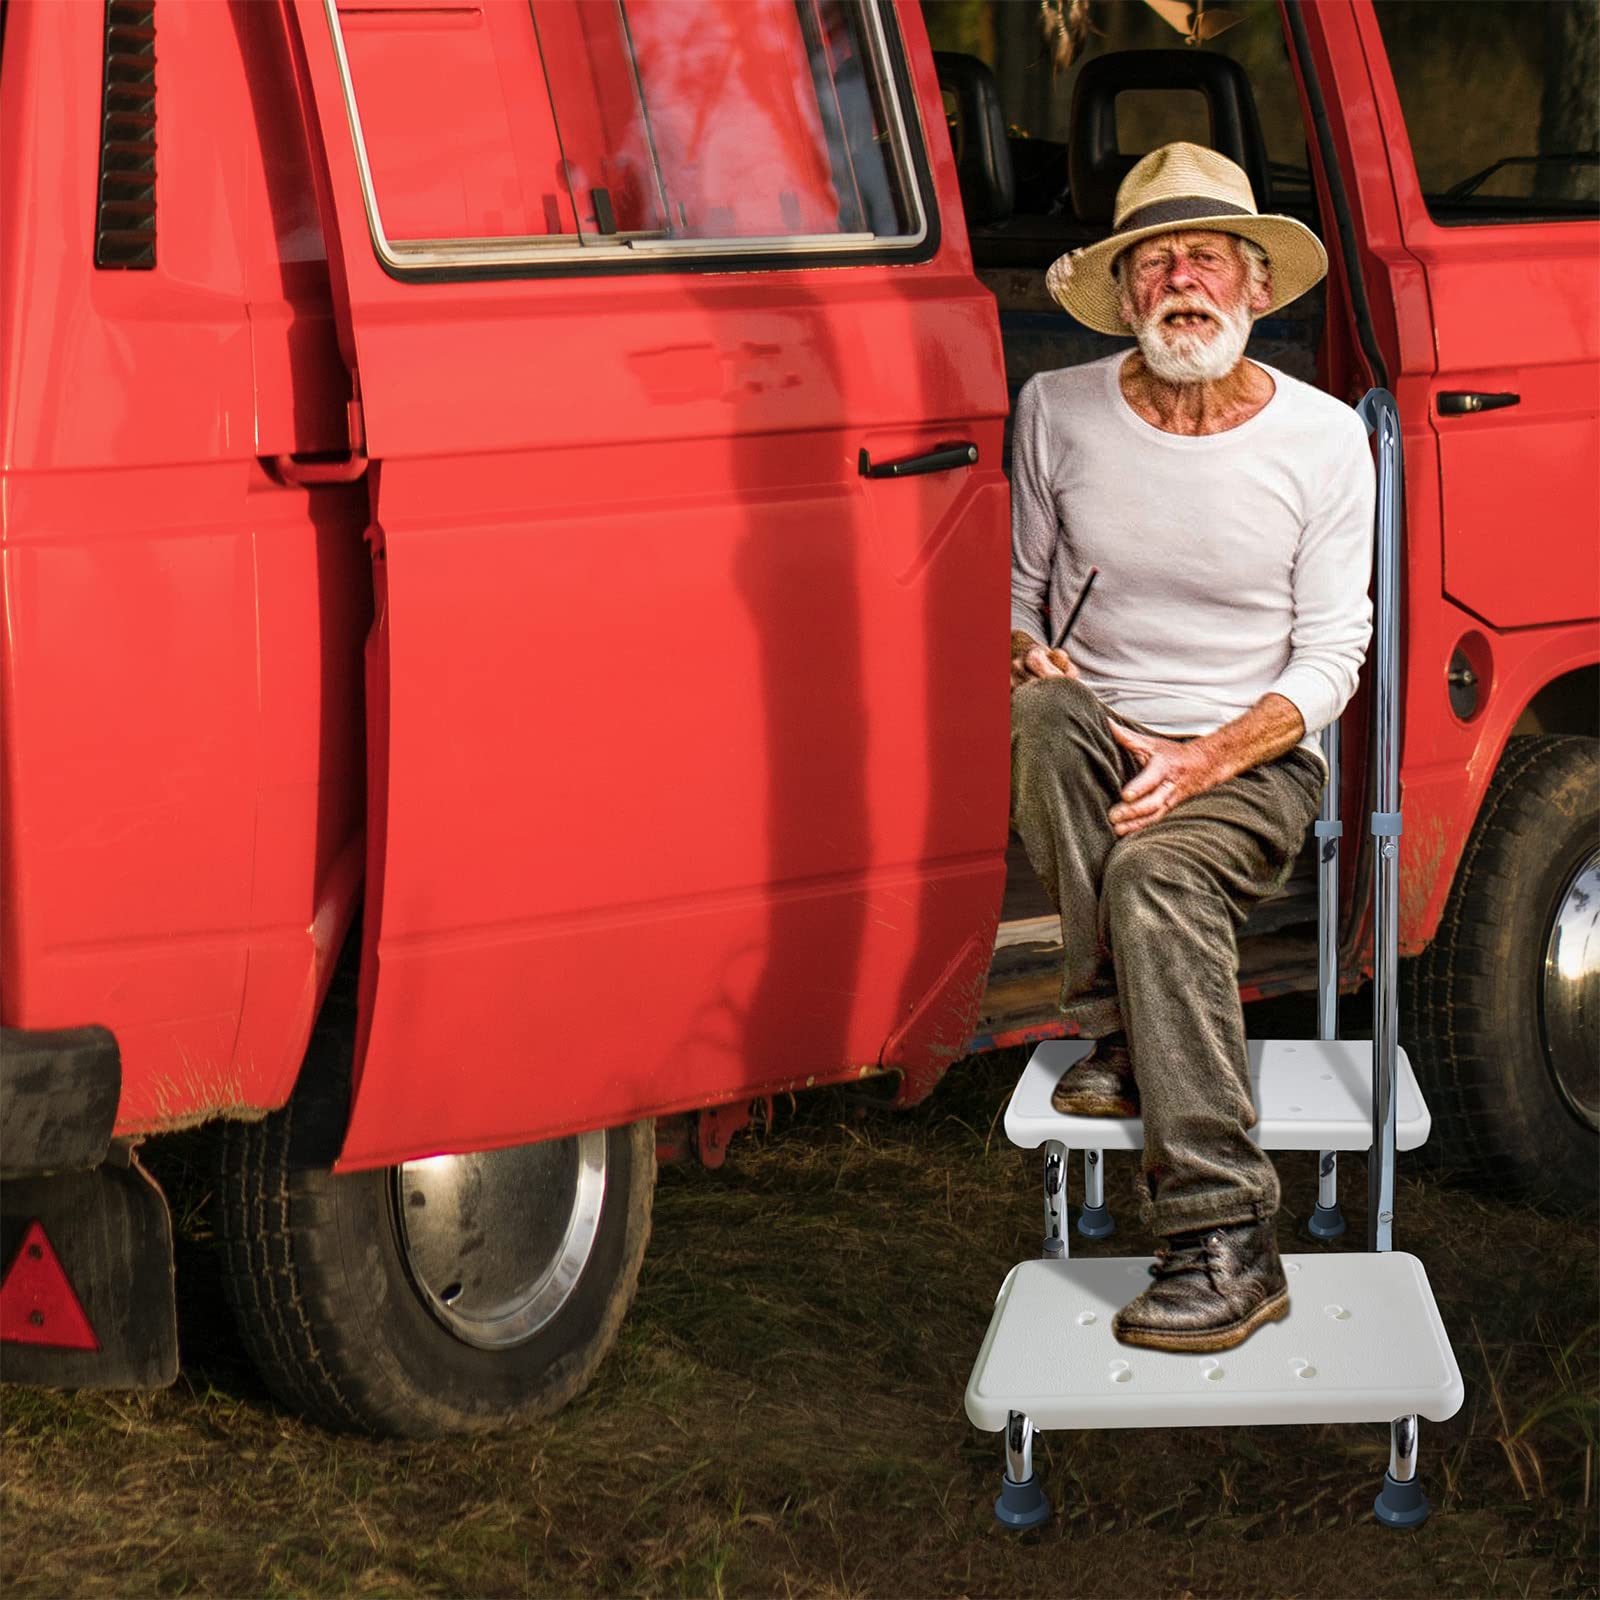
(1362, 1343)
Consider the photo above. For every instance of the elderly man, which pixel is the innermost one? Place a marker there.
(1164, 763)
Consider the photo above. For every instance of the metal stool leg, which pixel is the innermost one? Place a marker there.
(1094, 1221)
(1021, 1502)
(1055, 1200)
(1327, 1221)
(1401, 1503)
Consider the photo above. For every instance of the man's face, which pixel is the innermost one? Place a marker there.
(1187, 298)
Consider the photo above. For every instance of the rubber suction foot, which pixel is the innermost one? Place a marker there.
(1021, 1505)
(1326, 1222)
(1401, 1505)
(1095, 1222)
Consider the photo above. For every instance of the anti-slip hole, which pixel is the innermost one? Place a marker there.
(1338, 1313)
(1086, 1319)
(1118, 1372)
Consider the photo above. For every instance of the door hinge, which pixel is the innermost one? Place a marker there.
(307, 473)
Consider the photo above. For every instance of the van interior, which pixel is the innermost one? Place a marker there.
(1040, 153)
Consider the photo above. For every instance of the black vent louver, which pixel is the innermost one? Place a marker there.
(125, 205)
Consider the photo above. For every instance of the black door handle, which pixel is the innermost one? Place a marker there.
(941, 459)
(1462, 402)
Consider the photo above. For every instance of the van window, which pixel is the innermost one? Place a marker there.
(1501, 100)
(505, 131)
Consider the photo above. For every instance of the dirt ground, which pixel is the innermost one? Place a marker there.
(783, 1415)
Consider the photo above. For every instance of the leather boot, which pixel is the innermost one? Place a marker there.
(1213, 1289)
(1101, 1085)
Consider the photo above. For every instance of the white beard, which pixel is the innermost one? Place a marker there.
(1195, 357)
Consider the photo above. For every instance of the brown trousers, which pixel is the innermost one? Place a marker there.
(1148, 926)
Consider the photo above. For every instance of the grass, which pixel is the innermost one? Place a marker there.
(782, 1415)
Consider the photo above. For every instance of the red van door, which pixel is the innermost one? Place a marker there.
(1500, 201)
(687, 729)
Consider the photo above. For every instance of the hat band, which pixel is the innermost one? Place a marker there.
(1185, 209)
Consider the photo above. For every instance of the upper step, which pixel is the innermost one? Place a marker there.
(1362, 1343)
(1311, 1094)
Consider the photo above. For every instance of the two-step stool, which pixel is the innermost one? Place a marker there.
(1363, 1341)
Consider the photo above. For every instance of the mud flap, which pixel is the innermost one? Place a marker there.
(86, 1299)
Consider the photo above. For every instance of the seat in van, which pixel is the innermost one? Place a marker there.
(1095, 163)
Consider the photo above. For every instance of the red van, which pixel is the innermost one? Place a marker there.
(505, 568)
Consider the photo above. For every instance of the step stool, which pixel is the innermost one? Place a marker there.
(1363, 1341)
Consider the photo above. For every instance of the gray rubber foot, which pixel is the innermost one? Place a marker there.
(1021, 1505)
(1325, 1222)
(1055, 1249)
(1096, 1222)
(1401, 1505)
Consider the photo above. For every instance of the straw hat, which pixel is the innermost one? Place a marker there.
(1183, 187)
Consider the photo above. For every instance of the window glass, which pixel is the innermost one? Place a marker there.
(727, 119)
(1501, 100)
(629, 125)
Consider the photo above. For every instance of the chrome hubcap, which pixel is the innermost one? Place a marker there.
(1570, 993)
(496, 1240)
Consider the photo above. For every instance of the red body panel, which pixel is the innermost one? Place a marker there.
(181, 711)
(1439, 296)
(1502, 514)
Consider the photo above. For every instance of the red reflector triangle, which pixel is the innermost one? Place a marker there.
(37, 1305)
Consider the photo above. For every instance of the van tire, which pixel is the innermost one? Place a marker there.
(317, 1271)
(1475, 999)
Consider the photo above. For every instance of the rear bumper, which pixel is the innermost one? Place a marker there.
(59, 1089)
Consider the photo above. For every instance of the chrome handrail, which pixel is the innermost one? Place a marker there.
(1382, 418)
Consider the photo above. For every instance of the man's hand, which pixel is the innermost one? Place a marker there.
(1170, 772)
(1030, 659)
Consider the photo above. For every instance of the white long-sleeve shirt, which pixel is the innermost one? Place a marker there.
(1232, 564)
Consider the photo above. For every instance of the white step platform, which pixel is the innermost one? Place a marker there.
(1311, 1095)
(1362, 1343)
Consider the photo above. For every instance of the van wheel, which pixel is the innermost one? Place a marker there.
(1504, 1006)
(448, 1295)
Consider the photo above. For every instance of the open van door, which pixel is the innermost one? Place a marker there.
(687, 724)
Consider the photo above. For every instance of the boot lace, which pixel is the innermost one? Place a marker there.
(1192, 1255)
